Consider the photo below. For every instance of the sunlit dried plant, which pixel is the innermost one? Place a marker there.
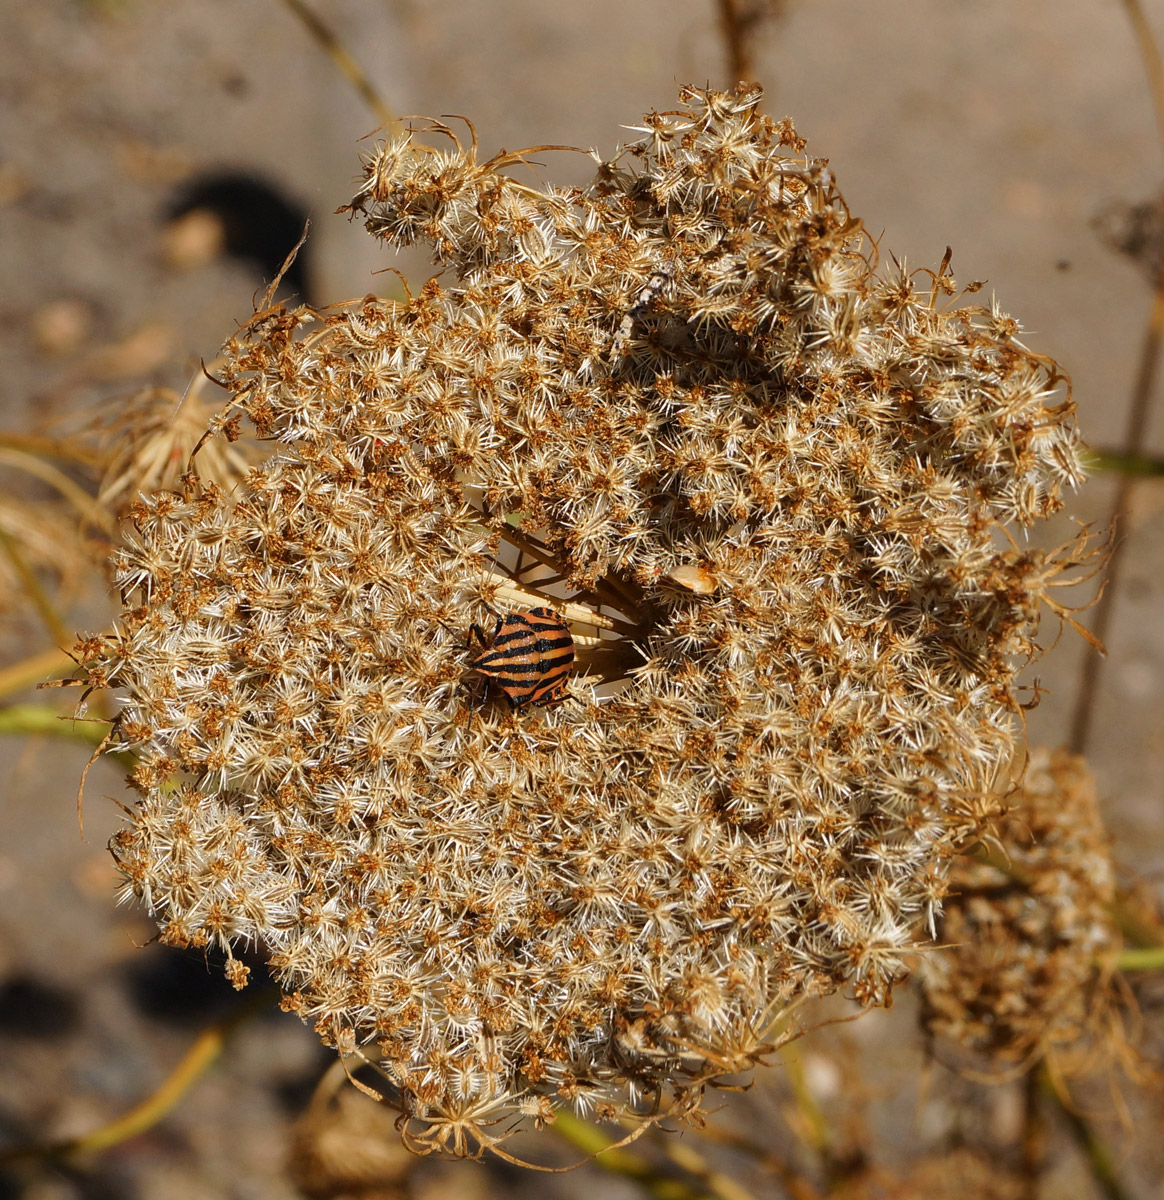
(145, 442)
(767, 486)
(342, 1147)
(1031, 939)
(42, 537)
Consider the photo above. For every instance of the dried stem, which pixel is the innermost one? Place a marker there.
(573, 612)
(608, 590)
(201, 1056)
(46, 447)
(1034, 1136)
(737, 19)
(91, 510)
(813, 1122)
(1083, 717)
(348, 66)
(1150, 53)
(792, 1181)
(685, 1156)
(21, 676)
(1137, 425)
(1100, 1159)
(49, 616)
(611, 1158)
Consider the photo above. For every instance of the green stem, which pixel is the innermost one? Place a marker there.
(1141, 958)
(1115, 462)
(40, 719)
(593, 1142)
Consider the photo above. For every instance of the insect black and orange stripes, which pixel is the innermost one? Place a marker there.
(528, 657)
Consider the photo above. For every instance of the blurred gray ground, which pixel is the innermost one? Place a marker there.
(997, 128)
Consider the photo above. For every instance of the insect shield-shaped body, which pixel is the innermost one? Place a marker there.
(528, 657)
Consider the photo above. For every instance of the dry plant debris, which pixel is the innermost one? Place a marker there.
(43, 537)
(1032, 942)
(765, 482)
(959, 1174)
(145, 442)
(342, 1148)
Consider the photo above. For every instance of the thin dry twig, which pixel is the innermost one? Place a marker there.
(90, 509)
(1034, 1137)
(21, 676)
(1142, 395)
(201, 1056)
(1100, 1159)
(685, 1156)
(793, 1182)
(347, 65)
(738, 22)
(1150, 52)
(48, 614)
(47, 447)
(1145, 387)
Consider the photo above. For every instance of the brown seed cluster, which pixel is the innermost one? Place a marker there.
(1031, 938)
(765, 484)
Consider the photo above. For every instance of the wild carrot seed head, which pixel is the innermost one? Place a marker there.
(764, 483)
(1029, 943)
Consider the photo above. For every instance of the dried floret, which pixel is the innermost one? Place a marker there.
(765, 486)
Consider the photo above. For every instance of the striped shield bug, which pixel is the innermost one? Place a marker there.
(528, 657)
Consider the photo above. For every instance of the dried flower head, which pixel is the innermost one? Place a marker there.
(765, 487)
(42, 539)
(958, 1174)
(1031, 938)
(146, 441)
(342, 1148)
